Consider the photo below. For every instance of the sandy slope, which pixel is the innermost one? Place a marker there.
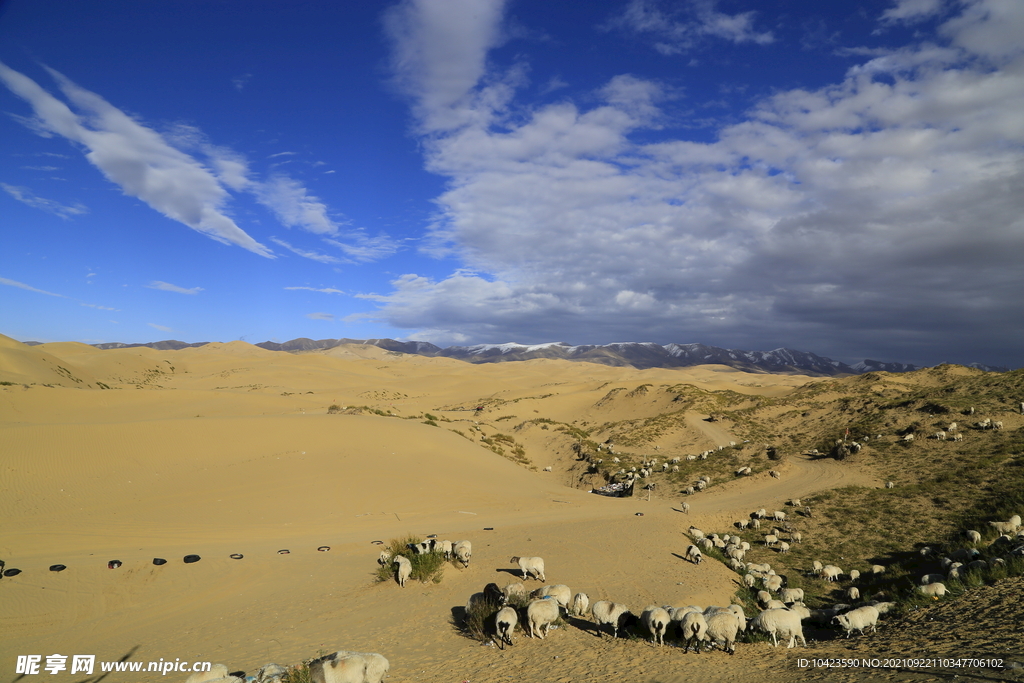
(228, 449)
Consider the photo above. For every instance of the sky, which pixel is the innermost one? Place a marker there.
(843, 178)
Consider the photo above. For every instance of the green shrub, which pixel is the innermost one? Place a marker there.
(425, 568)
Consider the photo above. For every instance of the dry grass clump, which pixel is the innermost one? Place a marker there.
(425, 568)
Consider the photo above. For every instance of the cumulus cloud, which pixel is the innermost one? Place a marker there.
(25, 196)
(22, 285)
(168, 287)
(686, 25)
(134, 157)
(312, 255)
(880, 215)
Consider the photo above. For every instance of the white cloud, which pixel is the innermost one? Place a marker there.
(320, 316)
(158, 327)
(25, 196)
(241, 81)
(134, 157)
(688, 24)
(315, 256)
(325, 290)
(168, 287)
(890, 201)
(281, 154)
(22, 285)
(911, 11)
(365, 249)
(102, 308)
(294, 206)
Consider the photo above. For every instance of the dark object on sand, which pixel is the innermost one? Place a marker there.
(488, 528)
(113, 564)
(324, 548)
(283, 552)
(236, 556)
(12, 572)
(57, 567)
(159, 561)
(189, 559)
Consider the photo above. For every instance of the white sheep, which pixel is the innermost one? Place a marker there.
(773, 582)
(780, 623)
(341, 667)
(973, 536)
(789, 595)
(723, 626)
(607, 613)
(750, 580)
(446, 550)
(796, 537)
(505, 622)
(783, 547)
(858, 620)
(908, 437)
(463, 551)
(877, 569)
(755, 523)
(694, 555)
(852, 593)
(816, 566)
(540, 615)
(779, 516)
(770, 540)
(958, 436)
(775, 604)
(933, 590)
(514, 589)
(385, 558)
(940, 436)
(890, 485)
(760, 513)
(530, 566)
(656, 620)
(997, 425)
(685, 507)
(741, 523)
(775, 474)
(403, 569)
(580, 605)
(695, 533)
(693, 629)
(830, 572)
(559, 591)
(854, 574)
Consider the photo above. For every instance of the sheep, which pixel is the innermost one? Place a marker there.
(693, 630)
(770, 540)
(940, 436)
(559, 591)
(780, 622)
(350, 667)
(695, 533)
(1003, 527)
(973, 536)
(540, 614)
(789, 595)
(858, 619)
(779, 516)
(764, 597)
(580, 605)
(800, 609)
(706, 543)
(423, 547)
(723, 626)
(816, 566)
(749, 580)
(908, 437)
(530, 566)
(403, 569)
(796, 537)
(755, 523)
(685, 507)
(694, 555)
(656, 620)
(795, 502)
(385, 558)
(930, 578)
(773, 582)
(760, 513)
(854, 574)
(775, 474)
(741, 523)
(997, 425)
(877, 569)
(515, 588)
(783, 547)
(830, 572)
(933, 590)
(852, 593)
(463, 551)
(505, 622)
(607, 613)
(958, 437)
(446, 550)
(775, 604)
(883, 607)
(689, 490)
(491, 596)
(952, 427)
(735, 565)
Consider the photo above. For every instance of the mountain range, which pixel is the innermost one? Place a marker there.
(633, 354)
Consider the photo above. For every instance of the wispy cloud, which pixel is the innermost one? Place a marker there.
(313, 255)
(325, 290)
(25, 196)
(366, 249)
(134, 157)
(168, 287)
(320, 316)
(911, 11)
(102, 308)
(160, 327)
(22, 285)
(241, 81)
(294, 206)
(41, 168)
(685, 25)
(282, 154)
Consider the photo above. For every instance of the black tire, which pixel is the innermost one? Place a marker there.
(324, 548)
(113, 564)
(57, 567)
(284, 552)
(190, 559)
(236, 556)
(12, 572)
(159, 561)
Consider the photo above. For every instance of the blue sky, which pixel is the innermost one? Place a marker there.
(843, 178)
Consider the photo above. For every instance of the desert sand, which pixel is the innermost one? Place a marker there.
(134, 454)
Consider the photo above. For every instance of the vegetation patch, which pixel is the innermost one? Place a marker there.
(426, 568)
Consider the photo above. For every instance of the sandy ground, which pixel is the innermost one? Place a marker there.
(229, 449)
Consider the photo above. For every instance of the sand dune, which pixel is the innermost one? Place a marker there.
(228, 448)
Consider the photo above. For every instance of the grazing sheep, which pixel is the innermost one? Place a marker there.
(783, 547)
(693, 630)
(446, 550)
(780, 623)
(775, 604)
(940, 436)
(779, 516)
(580, 605)
(795, 502)
(385, 558)
(706, 543)
(908, 437)
(403, 569)
(775, 474)
(685, 507)
(760, 513)
(877, 569)
(530, 566)
(607, 613)
(515, 588)
(883, 607)
(540, 615)
(933, 590)
(973, 536)
(689, 490)
(997, 425)
(789, 595)
(816, 566)
(852, 593)
(741, 523)
(463, 551)
(342, 666)
(750, 580)
(491, 595)
(770, 540)
(423, 547)
(559, 591)
(694, 555)
(764, 597)
(773, 583)
(656, 620)
(723, 626)
(506, 621)
(858, 620)
(958, 437)
(695, 533)
(796, 537)
(830, 572)
(854, 574)
(755, 523)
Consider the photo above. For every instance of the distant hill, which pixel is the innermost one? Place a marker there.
(639, 355)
